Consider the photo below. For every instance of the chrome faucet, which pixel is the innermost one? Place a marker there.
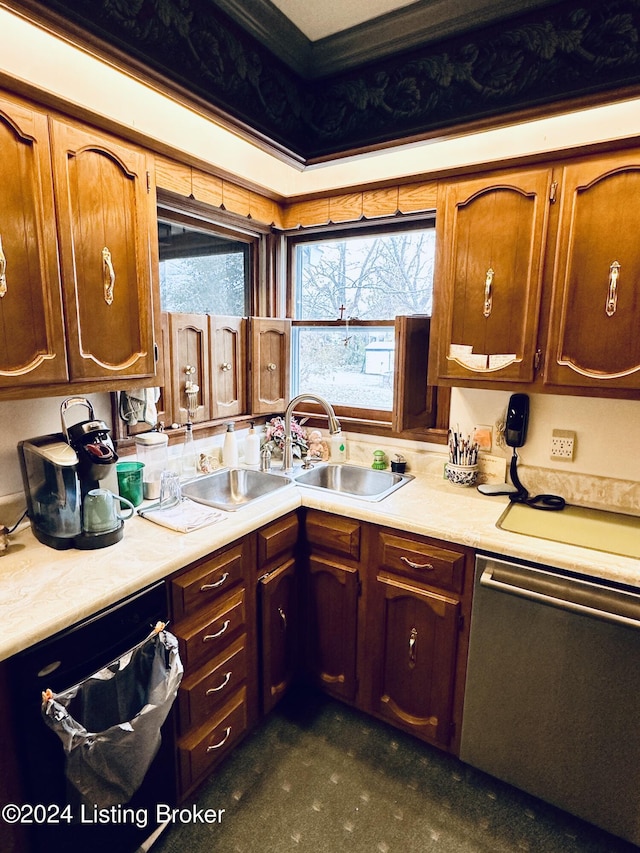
(334, 426)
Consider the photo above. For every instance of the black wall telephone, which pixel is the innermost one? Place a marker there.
(515, 435)
(515, 432)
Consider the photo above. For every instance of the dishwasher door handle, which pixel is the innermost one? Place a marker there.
(571, 594)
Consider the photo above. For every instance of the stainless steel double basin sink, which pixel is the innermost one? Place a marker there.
(235, 488)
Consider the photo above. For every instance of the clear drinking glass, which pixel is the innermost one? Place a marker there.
(170, 492)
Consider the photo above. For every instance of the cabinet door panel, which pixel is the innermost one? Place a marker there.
(228, 360)
(492, 243)
(596, 301)
(270, 347)
(189, 345)
(333, 619)
(103, 216)
(417, 664)
(279, 608)
(32, 343)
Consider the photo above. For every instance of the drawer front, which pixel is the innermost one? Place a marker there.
(277, 539)
(333, 533)
(421, 561)
(206, 635)
(207, 581)
(202, 749)
(209, 687)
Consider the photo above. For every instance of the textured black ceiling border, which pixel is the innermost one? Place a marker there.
(573, 49)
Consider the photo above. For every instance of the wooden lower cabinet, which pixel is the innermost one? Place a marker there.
(387, 616)
(415, 658)
(332, 585)
(279, 608)
(417, 633)
(215, 622)
(375, 617)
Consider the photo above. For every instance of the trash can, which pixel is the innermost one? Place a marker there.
(109, 723)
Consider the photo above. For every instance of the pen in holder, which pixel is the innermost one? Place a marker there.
(462, 467)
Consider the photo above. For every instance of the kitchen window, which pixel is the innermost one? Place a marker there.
(204, 268)
(346, 290)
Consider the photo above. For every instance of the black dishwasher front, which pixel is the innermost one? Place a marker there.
(60, 662)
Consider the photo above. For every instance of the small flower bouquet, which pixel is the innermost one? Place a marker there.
(274, 436)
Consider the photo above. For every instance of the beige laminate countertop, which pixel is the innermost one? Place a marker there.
(43, 591)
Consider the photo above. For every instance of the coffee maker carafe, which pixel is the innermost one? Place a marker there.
(59, 471)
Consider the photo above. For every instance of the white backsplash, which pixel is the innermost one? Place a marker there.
(605, 472)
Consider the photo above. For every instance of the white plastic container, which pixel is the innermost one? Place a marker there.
(152, 448)
(339, 447)
(252, 447)
(230, 447)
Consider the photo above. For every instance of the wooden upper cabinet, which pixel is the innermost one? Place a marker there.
(491, 242)
(228, 336)
(104, 207)
(32, 343)
(594, 340)
(270, 348)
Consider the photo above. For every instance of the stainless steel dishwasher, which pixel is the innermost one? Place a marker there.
(552, 702)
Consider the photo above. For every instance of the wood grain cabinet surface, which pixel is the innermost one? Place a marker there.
(215, 622)
(595, 315)
(491, 235)
(105, 209)
(418, 610)
(537, 279)
(32, 338)
(76, 293)
(279, 607)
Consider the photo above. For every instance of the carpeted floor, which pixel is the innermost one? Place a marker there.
(319, 777)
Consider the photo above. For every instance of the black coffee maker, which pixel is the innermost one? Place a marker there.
(59, 471)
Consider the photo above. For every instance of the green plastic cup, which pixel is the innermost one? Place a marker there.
(130, 485)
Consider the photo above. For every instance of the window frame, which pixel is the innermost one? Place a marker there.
(372, 421)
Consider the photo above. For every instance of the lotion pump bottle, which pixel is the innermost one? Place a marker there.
(252, 447)
(230, 447)
(338, 447)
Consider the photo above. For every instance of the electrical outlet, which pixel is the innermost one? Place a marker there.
(563, 443)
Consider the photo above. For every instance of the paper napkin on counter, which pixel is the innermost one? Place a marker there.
(184, 517)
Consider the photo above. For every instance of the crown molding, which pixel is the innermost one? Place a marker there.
(420, 23)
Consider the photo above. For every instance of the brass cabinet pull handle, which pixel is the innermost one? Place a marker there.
(488, 297)
(108, 276)
(271, 366)
(225, 681)
(413, 646)
(219, 634)
(206, 586)
(283, 617)
(612, 296)
(3, 271)
(413, 565)
(225, 366)
(222, 742)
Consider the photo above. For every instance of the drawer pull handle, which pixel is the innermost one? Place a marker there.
(271, 367)
(488, 297)
(207, 586)
(612, 295)
(225, 681)
(222, 742)
(225, 366)
(413, 565)
(219, 634)
(108, 276)
(413, 646)
(3, 271)
(283, 617)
